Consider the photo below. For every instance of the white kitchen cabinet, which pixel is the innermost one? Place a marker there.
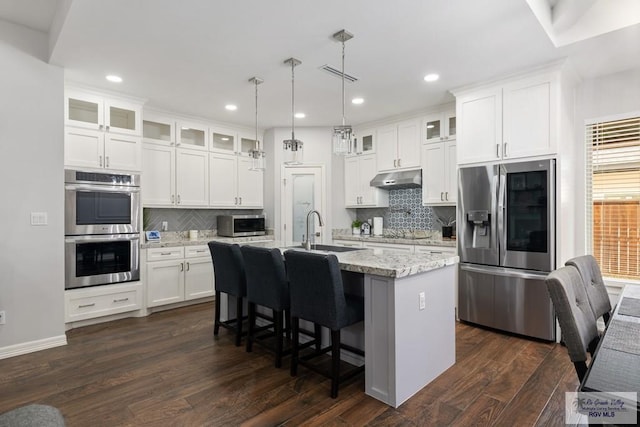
(364, 142)
(348, 243)
(513, 119)
(178, 274)
(388, 247)
(419, 249)
(158, 129)
(192, 135)
(223, 140)
(359, 171)
(439, 127)
(232, 184)
(102, 132)
(439, 173)
(398, 145)
(192, 186)
(98, 301)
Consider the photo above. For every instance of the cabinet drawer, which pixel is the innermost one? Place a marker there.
(196, 251)
(435, 250)
(88, 304)
(389, 247)
(348, 243)
(162, 254)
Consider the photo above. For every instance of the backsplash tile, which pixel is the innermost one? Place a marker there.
(188, 219)
(406, 212)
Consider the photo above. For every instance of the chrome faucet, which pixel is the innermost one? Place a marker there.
(307, 243)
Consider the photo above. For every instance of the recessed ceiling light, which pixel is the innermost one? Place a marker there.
(114, 79)
(357, 101)
(300, 115)
(231, 107)
(431, 77)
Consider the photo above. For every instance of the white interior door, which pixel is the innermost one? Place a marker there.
(303, 190)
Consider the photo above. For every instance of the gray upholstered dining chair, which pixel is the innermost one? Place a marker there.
(593, 283)
(230, 278)
(578, 325)
(267, 286)
(317, 295)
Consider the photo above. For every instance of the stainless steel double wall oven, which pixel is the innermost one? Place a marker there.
(102, 228)
(506, 242)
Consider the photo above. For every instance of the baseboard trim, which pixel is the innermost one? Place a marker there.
(32, 346)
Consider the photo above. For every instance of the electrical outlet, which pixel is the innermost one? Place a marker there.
(423, 302)
(3, 317)
(165, 226)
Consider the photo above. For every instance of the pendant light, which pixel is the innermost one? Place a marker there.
(293, 146)
(257, 155)
(342, 135)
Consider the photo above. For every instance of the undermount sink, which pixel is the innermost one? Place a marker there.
(332, 248)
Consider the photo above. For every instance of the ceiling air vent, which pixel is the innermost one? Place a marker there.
(332, 70)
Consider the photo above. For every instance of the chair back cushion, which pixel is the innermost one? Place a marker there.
(267, 283)
(593, 282)
(228, 268)
(315, 285)
(574, 313)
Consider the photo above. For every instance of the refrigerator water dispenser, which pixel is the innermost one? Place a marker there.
(480, 221)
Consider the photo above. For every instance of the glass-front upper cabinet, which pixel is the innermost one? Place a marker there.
(247, 142)
(365, 141)
(158, 129)
(439, 127)
(92, 111)
(192, 135)
(223, 140)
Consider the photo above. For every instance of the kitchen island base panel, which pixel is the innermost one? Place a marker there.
(407, 347)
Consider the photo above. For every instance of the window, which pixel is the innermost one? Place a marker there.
(613, 196)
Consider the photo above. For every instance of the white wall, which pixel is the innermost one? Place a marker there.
(317, 151)
(31, 150)
(600, 97)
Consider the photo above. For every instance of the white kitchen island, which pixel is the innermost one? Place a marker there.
(406, 345)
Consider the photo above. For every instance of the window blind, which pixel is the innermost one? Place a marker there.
(613, 196)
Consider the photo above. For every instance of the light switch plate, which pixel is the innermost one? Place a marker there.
(39, 218)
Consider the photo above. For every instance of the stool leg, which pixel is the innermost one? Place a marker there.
(335, 363)
(239, 321)
(252, 322)
(317, 333)
(294, 346)
(287, 323)
(277, 320)
(216, 315)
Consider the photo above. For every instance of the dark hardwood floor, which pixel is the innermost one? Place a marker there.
(168, 370)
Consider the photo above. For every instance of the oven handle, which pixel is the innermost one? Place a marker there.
(103, 238)
(102, 188)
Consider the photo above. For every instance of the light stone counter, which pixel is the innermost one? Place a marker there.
(174, 239)
(435, 240)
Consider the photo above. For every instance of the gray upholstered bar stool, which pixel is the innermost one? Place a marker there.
(230, 277)
(579, 331)
(317, 295)
(593, 283)
(267, 286)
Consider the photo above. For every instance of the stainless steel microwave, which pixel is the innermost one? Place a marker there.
(101, 203)
(241, 225)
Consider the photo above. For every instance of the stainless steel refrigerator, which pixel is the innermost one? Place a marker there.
(506, 243)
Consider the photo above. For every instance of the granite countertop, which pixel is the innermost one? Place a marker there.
(434, 240)
(179, 239)
(379, 263)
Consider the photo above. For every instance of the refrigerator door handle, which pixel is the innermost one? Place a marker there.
(502, 232)
(506, 272)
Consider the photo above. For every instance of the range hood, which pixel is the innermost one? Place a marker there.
(398, 180)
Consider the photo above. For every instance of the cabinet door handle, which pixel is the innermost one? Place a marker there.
(106, 162)
(235, 200)
(178, 199)
(121, 300)
(182, 266)
(100, 127)
(446, 195)
(173, 198)
(188, 266)
(395, 163)
(165, 253)
(498, 150)
(87, 305)
(441, 196)
(399, 165)
(202, 250)
(100, 161)
(107, 127)
(240, 199)
(504, 150)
